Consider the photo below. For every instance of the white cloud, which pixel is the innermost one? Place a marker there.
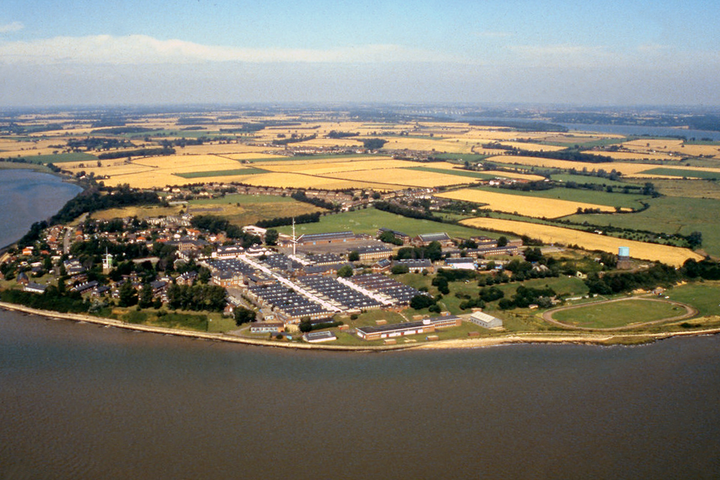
(563, 55)
(11, 27)
(143, 49)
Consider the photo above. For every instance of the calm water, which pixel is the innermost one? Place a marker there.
(27, 196)
(81, 401)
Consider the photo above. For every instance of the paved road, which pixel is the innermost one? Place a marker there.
(68, 235)
(689, 313)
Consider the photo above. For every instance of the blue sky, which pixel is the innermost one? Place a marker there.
(119, 52)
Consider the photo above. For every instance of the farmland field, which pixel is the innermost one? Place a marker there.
(222, 173)
(580, 179)
(589, 241)
(679, 172)
(670, 215)
(510, 203)
(687, 188)
(579, 195)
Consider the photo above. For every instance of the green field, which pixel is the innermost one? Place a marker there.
(694, 188)
(703, 296)
(568, 177)
(222, 173)
(26, 166)
(578, 195)
(62, 158)
(669, 215)
(684, 173)
(370, 220)
(618, 314)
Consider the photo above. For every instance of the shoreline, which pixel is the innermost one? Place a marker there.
(568, 338)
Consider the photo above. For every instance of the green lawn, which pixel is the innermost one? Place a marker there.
(684, 173)
(578, 195)
(618, 314)
(222, 173)
(370, 220)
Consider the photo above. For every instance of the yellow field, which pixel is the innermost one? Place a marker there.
(292, 180)
(14, 148)
(189, 163)
(401, 177)
(497, 173)
(646, 251)
(533, 147)
(332, 166)
(440, 145)
(527, 206)
(627, 169)
(637, 155)
(519, 176)
(224, 149)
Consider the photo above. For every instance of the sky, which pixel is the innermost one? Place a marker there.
(129, 52)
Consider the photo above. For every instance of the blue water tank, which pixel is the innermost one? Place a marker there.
(624, 252)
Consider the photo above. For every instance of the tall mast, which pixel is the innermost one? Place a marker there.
(294, 241)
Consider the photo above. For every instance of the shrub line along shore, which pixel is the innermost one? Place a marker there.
(585, 338)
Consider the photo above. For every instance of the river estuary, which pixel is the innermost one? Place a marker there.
(80, 401)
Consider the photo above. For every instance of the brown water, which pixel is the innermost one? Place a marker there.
(80, 401)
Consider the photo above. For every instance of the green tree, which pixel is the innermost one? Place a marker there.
(502, 241)
(345, 271)
(271, 236)
(146, 296)
(128, 295)
(243, 315)
(694, 239)
(354, 256)
(418, 302)
(399, 269)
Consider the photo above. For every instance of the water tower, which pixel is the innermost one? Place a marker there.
(623, 262)
(107, 262)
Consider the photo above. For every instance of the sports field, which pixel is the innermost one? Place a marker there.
(370, 220)
(619, 313)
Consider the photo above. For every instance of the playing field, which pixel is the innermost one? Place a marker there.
(589, 241)
(370, 220)
(619, 313)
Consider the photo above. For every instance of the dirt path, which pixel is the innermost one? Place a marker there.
(689, 313)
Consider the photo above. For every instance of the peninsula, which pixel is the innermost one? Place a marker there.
(322, 229)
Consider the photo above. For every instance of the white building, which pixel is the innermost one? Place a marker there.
(485, 320)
